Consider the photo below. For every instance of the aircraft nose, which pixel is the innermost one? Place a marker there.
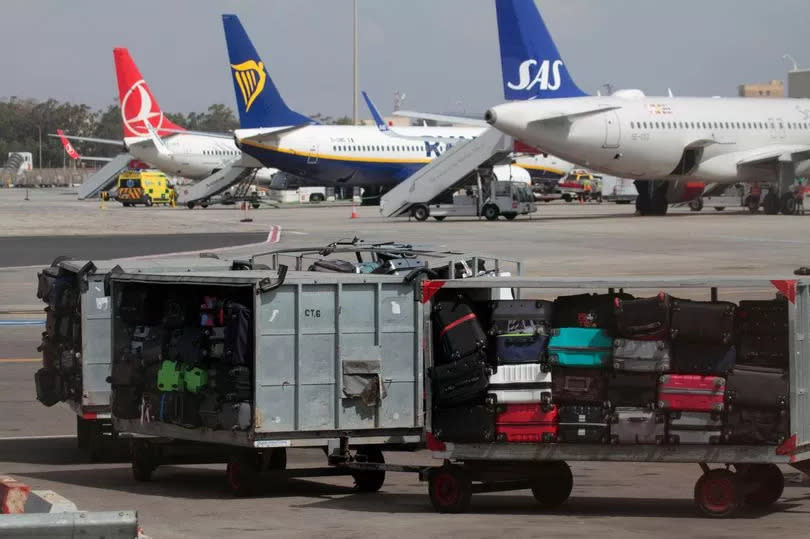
(491, 117)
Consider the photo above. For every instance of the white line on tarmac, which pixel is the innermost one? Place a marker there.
(52, 437)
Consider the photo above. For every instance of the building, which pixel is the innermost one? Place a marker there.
(775, 88)
(799, 83)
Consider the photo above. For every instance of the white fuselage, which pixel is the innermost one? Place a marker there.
(646, 137)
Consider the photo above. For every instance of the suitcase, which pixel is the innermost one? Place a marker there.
(61, 295)
(238, 333)
(45, 281)
(762, 318)
(754, 426)
(694, 428)
(629, 425)
(757, 387)
(174, 314)
(520, 383)
(465, 424)
(520, 413)
(587, 311)
(577, 385)
(147, 344)
(333, 266)
(59, 326)
(527, 433)
(188, 410)
(511, 348)
(231, 383)
(458, 330)
(703, 321)
(49, 387)
(691, 393)
(210, 406)
(459, 382)
(213, 343)
(167, 407)
(583, 424)
(641, 356)
(643, 318)
(632, 389)
(702, 358)
(521, 316)
(126, 402)
(126, 371)
(580, 347)
(236, 416)
(185, 346)
(170, 376)
(763, 350)
(535, 423)
(212, 312)
(195, 379)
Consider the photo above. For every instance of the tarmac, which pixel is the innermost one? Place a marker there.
(37, 444)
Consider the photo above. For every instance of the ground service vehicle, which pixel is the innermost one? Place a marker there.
(488, 199)
(146, 187)
(572, 185)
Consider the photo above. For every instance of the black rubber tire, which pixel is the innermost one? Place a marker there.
(764, 484)
(510, 216)
(255, 205)
(277, 459)
(490, 212)
(148, 202)
(204, 205)
(787, 204)
(752, 204)
(450, 489)
(567, 198)
(143, 461)
(242, 474)
(719, 208)
(439, 218)
(369, 481)
(420, 213)
(552, 483)
(190, 205)
(770, 204)
(719, 494)
(696, 204)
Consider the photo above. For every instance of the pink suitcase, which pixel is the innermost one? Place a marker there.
(691, 393)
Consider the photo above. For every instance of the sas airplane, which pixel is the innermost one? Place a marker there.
(663, 143)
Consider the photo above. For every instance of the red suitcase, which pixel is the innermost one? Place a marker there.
(691, 393)
(526, 423)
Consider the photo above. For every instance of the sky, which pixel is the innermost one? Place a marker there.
(442, 54)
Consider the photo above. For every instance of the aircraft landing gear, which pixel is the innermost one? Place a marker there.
(652, 197)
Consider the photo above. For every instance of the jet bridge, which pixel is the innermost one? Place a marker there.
(454, 168)
(235, 172)
(104, 177)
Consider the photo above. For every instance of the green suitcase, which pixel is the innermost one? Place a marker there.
(170, 377)
(195, 379)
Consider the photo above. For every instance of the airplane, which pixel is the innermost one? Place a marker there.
(666, 144)
(73, 154)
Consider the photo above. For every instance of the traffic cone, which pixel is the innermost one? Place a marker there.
(354, 211)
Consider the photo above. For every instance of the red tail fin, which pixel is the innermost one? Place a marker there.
(72, 153)
(138, 105)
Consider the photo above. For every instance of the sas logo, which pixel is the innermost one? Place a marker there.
(547, 75)
(250, 77)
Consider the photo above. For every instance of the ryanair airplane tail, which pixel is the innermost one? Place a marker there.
(258, 100)
(532, 66)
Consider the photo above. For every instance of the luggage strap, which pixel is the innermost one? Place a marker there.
(457, 323)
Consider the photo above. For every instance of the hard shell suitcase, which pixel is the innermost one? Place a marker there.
(763, 350)
(519, 413)
(587, 311)
(236, 416)
(703, 321)
(762, 318)
(458, 331)
(511, 348)
(691, 393)
(465, 424)
(526, 423)
(521, 383)
(459, 382)
(694, 428)
(580, 347)
(238, 333)
(757, 387)
(126, 402)
(521, 316)
(170, 376)
(583, 424)
(641, 356)
(630, 425)
(643, 318)
(702, 358)
(167, 407)
(632, 389)
(527, 433)
(577, 385)
(49, 387)
(333, 266)
(756, 426)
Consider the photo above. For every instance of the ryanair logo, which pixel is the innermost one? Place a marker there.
(250, 78)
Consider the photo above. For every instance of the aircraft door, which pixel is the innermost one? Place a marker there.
(312, 159)
(612, 130)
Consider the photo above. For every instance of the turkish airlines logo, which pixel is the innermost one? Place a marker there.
(250, 78)
(137, 108)
(547, 75)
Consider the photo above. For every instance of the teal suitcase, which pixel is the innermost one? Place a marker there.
(580, 347)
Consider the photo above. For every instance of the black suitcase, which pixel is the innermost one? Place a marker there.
(238, 333)
(577, 385)
(333, 266)
(45, 280)
(753, 426)
(643, 318)
(521, 316)
(126, 370)
(62, 295)
(465, 424)
(587, 310)
(458, 330)
(126, 402)
(584, 424)
(703, 321)
(762, 317)
(763, 350)
(459, 382)
(230, 383)
(702, 358)
(186, 346)
(633, 389)
(188, 410)
(748, 386)
(49, 386)
(59, 325)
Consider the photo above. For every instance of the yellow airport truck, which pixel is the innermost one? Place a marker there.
(146, 187)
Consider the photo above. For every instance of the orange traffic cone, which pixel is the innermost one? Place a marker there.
(354, 211)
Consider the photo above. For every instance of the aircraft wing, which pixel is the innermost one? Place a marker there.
(259, 136)
(119, 143)
(100, 159)
(552, 115)
(445, 118)
(778, 152)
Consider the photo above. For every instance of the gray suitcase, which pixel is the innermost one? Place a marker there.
(235, 416)
(631, 425)
(641, 356)
(694, 428)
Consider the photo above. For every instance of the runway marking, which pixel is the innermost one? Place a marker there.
(33, 322)
(21, 360)
(46, 437)
(274, 235)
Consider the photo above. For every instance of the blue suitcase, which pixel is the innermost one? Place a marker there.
(512, 348)
(580, 347)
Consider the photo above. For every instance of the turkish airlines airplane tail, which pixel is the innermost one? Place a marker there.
(257, 98)
(69, 149)
(532, 66)
(138, 105)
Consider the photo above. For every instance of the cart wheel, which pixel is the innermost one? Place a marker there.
(367, 480)
(450, 489)
(552, 483)
(143, 461)
(242, 474)
(719, 493)
(764, 484)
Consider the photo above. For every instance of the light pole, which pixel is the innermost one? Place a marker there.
(354, 88)
(39, 131)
